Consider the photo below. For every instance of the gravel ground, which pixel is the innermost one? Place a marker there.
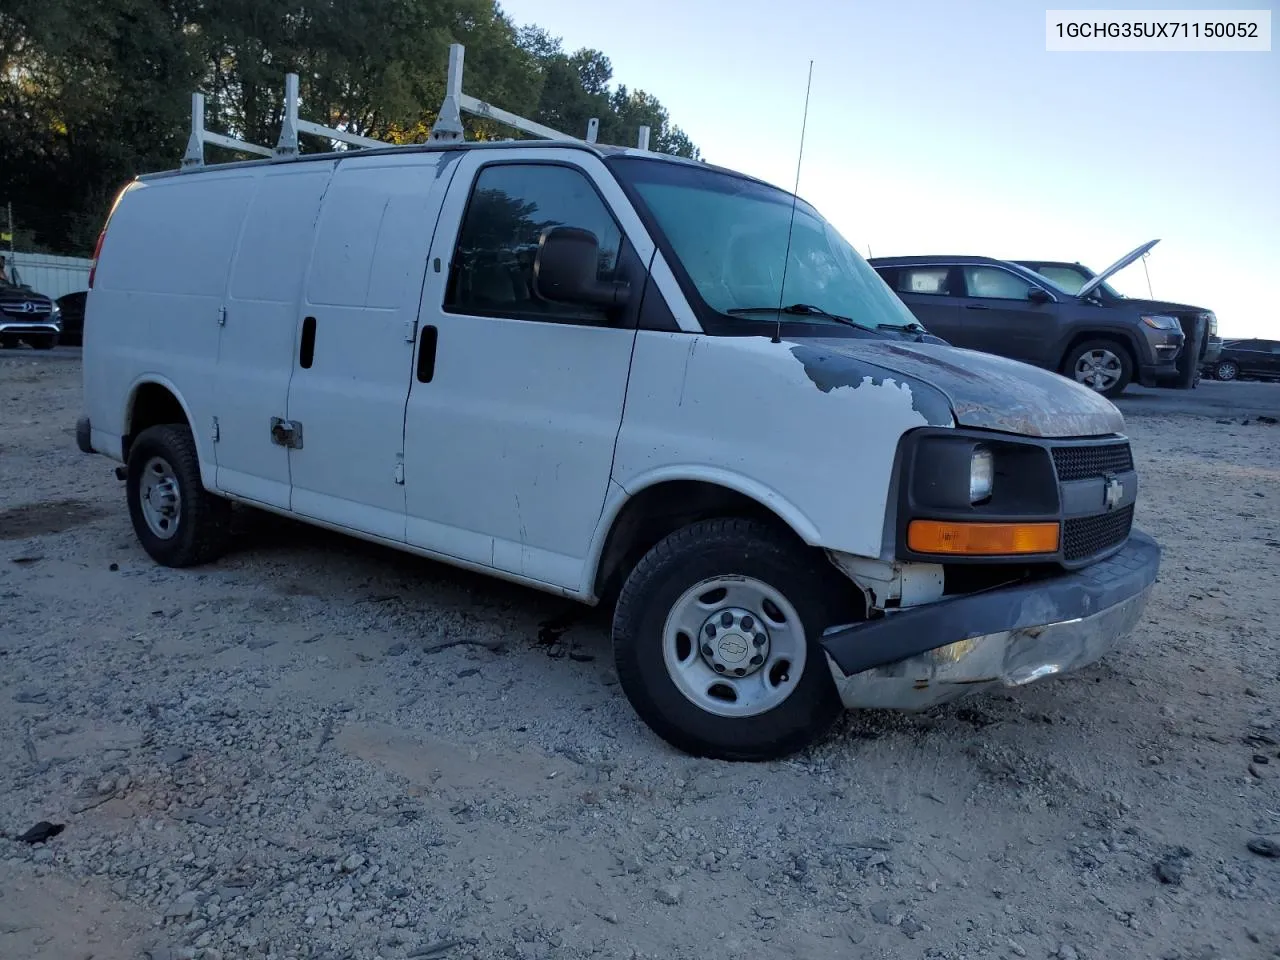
(318, 748)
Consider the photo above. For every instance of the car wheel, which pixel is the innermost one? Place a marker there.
(1226, 370)
(177, 521)
(7, 343)
(716, 642)
(43, 343)
(1101, 365)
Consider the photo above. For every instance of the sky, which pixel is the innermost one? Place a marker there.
(944, 127)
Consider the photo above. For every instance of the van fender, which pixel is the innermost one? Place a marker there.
(619, 495)
(208, 469)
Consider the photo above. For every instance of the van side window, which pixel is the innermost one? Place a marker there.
(927, 280)
(510, 205)
(996, 284)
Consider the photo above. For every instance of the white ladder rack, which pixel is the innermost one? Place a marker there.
(447, 128)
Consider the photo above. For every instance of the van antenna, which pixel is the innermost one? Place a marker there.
(795, 197)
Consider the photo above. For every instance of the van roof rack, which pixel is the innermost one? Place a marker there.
(447, 128)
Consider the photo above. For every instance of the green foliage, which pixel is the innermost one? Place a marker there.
(93, 94)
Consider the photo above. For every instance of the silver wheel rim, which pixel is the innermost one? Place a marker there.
(1227, 371)
(161, 498)
(1099, 369)
(734, 646)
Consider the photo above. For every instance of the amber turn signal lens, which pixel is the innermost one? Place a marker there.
(982, 539)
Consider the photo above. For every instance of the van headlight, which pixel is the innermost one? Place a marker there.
(982, 472)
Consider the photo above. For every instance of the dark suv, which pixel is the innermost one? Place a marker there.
(25, 314)
(1246, 360)
(1003, 308)
(1198, 324)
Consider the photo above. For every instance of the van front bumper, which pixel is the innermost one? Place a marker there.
(921, 656)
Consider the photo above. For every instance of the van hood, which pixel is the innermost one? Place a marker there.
(974, 389)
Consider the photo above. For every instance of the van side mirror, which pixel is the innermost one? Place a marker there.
(1038, 295)
(566, 268)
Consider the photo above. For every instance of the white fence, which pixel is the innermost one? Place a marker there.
(47, 274)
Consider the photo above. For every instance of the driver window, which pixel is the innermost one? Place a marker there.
(510, 205)
(995, 284)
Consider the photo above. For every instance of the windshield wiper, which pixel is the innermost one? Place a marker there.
(803, 310)
(912, 327)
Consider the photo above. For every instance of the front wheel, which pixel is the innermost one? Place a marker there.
(177, 521)
(1226, 370)
(716, 642)
(1101, 365)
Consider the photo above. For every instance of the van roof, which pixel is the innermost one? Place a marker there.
(601, 150)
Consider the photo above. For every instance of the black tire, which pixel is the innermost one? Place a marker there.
(1226, 370)
(711, 548)
(1115, 347)
(7, 343)
(203, 520)
(43, 343)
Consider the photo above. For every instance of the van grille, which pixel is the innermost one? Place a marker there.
(1084, 462)
(1084, 537)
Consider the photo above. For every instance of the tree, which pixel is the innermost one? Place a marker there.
(93, 94)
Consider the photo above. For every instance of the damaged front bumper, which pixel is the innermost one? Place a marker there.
(920, 656)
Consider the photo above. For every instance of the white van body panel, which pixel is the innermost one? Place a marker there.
(741, 412)
(152, 315)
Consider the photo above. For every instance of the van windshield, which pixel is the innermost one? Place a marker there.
(729, 234)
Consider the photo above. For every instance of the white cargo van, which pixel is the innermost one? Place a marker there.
(565, 365)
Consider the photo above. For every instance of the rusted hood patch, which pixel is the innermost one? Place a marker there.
(979, 389)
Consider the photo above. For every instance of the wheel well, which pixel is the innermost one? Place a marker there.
(152, 405)
(1117, 338)
(661, 509)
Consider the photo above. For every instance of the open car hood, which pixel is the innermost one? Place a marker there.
(982, 390)
(1105, 275)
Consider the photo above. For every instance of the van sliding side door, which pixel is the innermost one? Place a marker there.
(355, 335)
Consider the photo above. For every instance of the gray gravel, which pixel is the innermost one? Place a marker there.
(317, 748)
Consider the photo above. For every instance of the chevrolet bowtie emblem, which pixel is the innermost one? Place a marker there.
(1112, 493)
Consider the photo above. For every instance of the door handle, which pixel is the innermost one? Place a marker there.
(976, 306)
(427, 353)
(307, 351)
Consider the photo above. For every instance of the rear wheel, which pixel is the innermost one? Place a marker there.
(1101, 365)
(716, 642)
(177, 521)
(1226, 370)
